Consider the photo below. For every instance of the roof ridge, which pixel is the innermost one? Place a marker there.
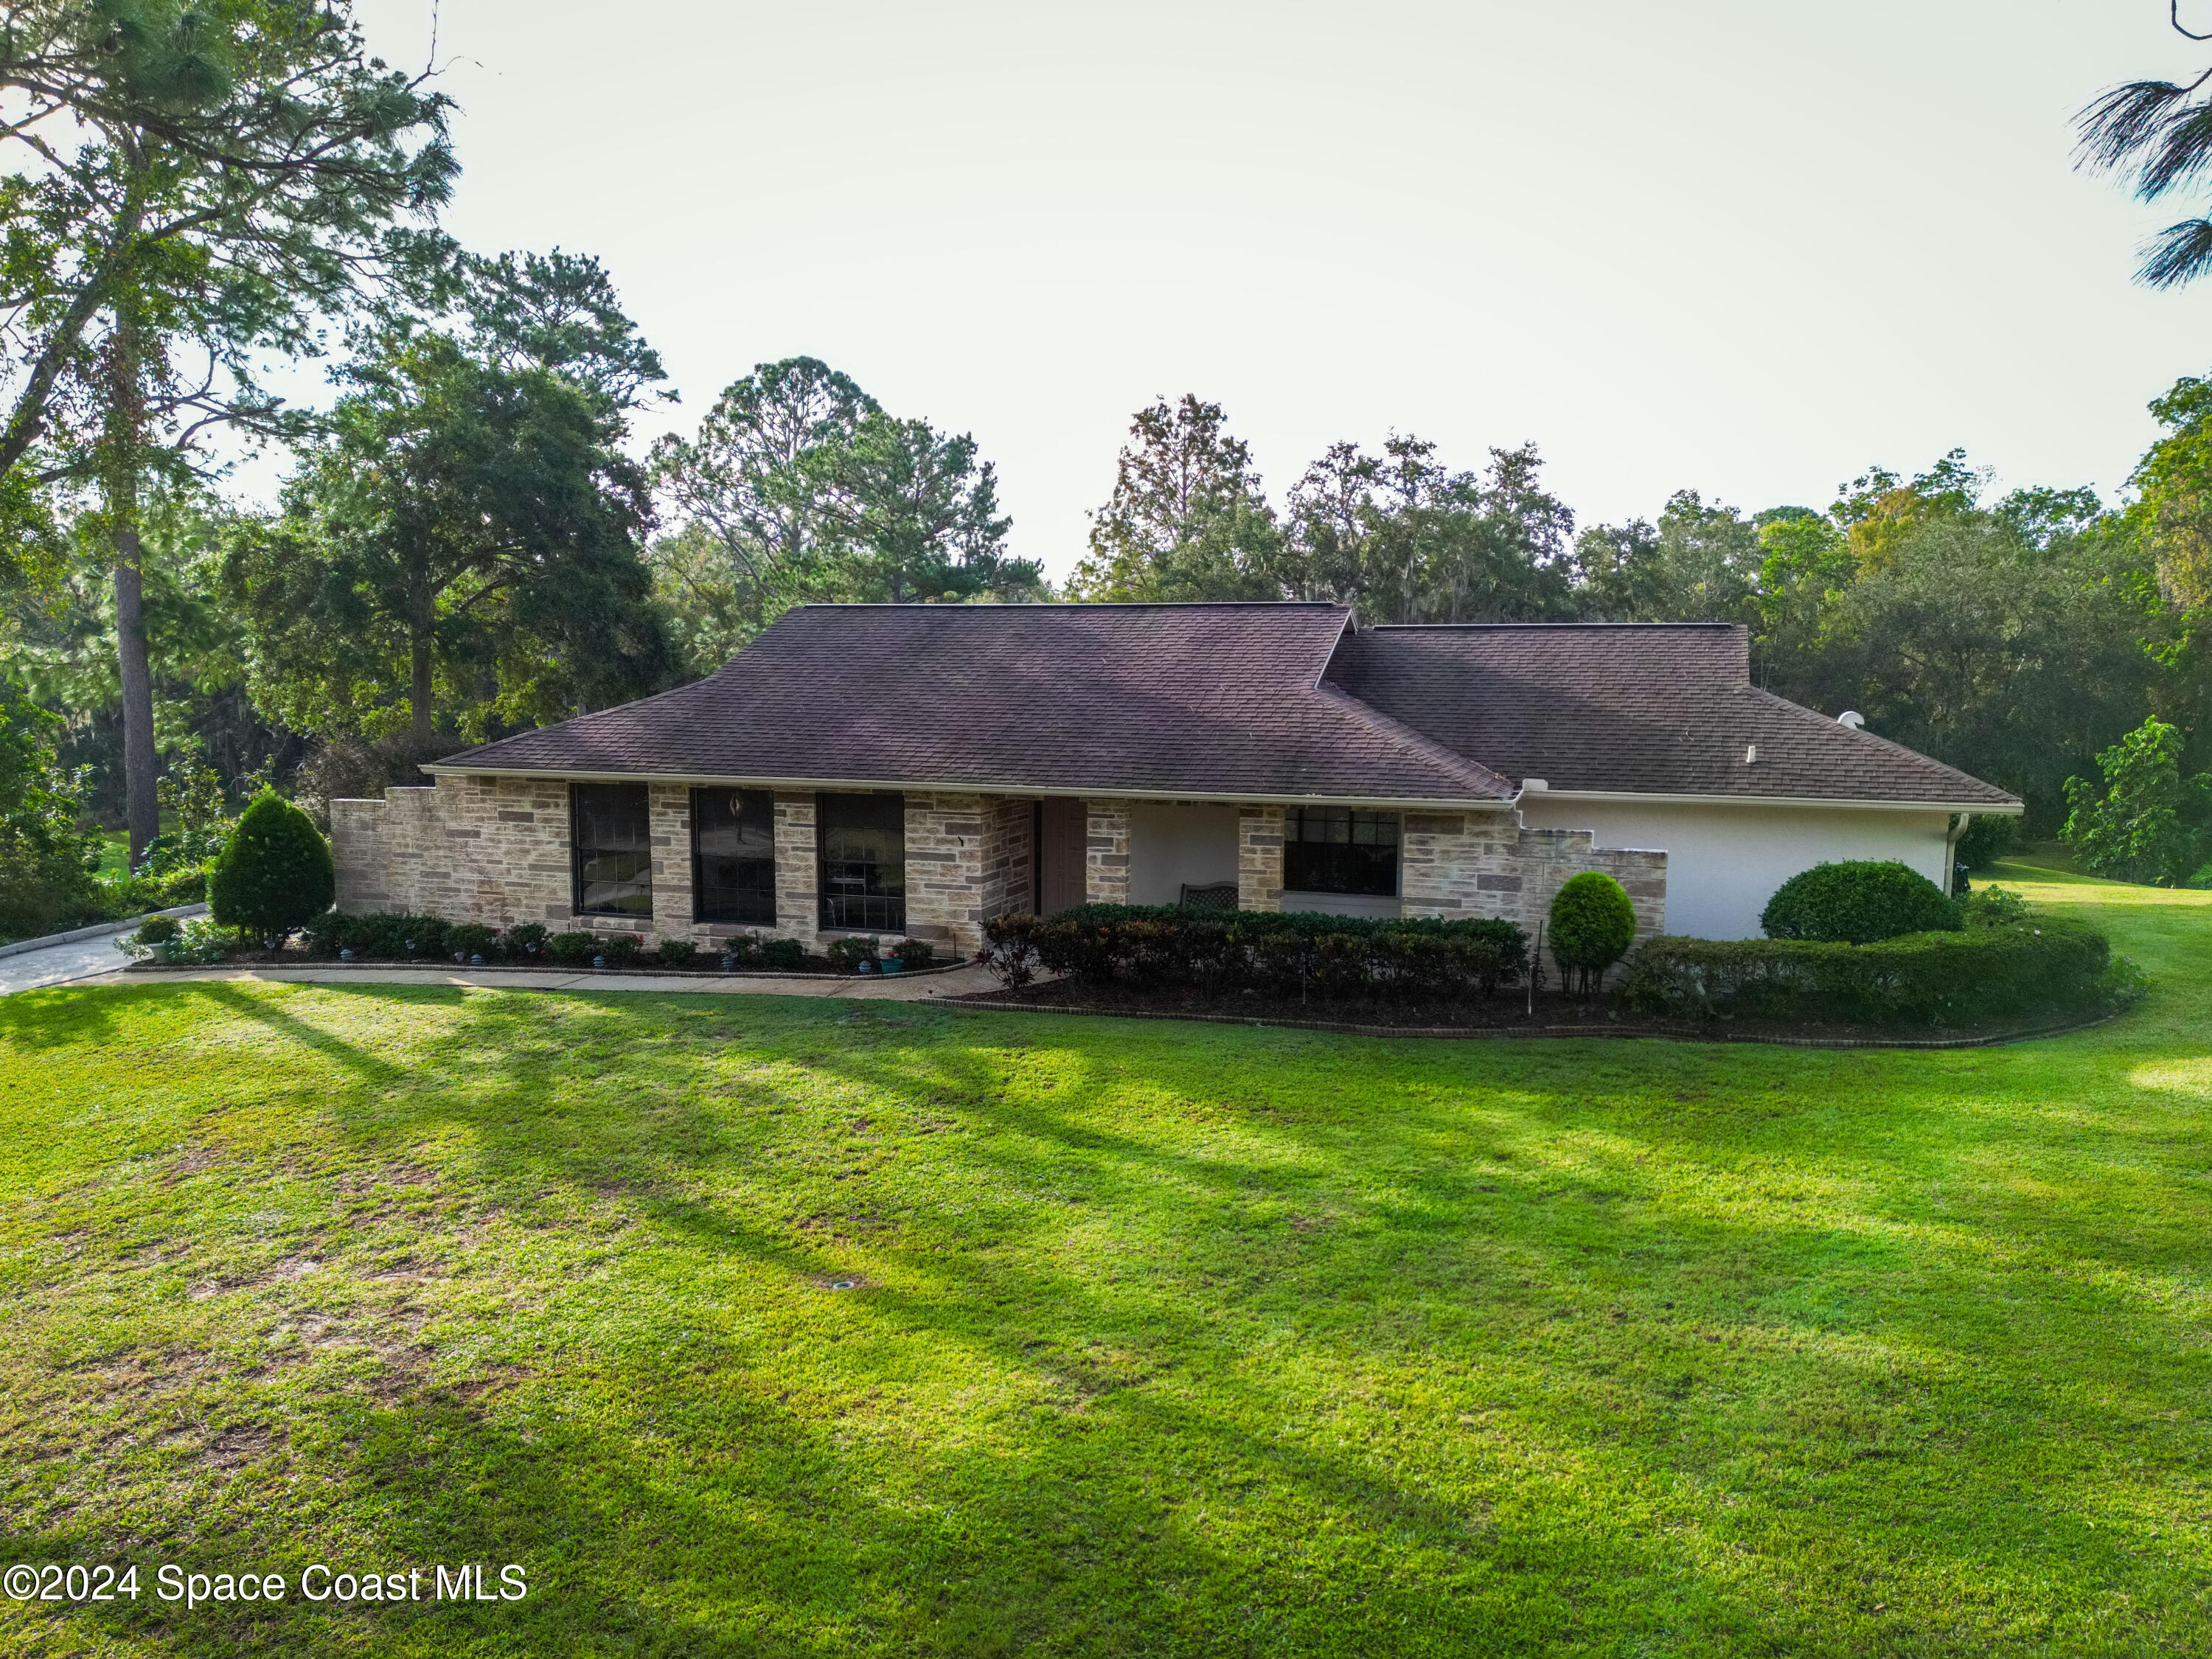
(1533, 627)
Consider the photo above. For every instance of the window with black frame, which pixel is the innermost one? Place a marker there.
(1335, 849)
(611, 838)
(734, 856)
(863, 844)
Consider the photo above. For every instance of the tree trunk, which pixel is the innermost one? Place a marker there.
(126, 419)
(421, 687)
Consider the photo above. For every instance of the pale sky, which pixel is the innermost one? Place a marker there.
(1747, 248)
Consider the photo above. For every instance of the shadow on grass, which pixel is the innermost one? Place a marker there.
(1259, 1342)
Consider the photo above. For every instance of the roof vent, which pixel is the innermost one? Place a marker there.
(1751, 754)
(1528, 784)
(1852, 718)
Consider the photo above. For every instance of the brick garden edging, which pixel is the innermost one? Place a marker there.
(1464, 1033)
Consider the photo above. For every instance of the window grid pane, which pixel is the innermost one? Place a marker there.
(734, 856)
(863, 861)
(611, 831)
(1335, 849)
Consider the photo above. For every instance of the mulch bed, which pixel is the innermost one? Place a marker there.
(1505, 1015)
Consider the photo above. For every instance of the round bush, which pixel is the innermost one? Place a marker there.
(157, 930)
(274, 874)
(1858, 902)
(1593, 924)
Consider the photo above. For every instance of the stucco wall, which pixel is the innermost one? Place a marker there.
(1172, 845)
(1723, 861)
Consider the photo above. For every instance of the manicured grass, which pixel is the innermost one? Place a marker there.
(1166, 1340)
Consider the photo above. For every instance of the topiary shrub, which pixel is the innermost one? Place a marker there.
(678, 953)
(1593, 923)
(1857, 903)
(786, 955)
(525, 940)
(274, 875)
(157, 930)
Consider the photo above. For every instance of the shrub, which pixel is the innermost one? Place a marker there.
(573, 950)
(678, 953)
(1949, 978)
(914, 952)
(466, 938)
(1009, 951)
(785, 955)
(274, 875)
(620, 950)
(741, 950)
(845, 955)
(157, 930)
(525, 940)
(1985, 841)
(1293, 953)
(1992, 907)
(1857, 903)
(202, 940)
(1593, 923)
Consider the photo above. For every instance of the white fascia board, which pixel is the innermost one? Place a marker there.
(1020, 791)
(1980, 809)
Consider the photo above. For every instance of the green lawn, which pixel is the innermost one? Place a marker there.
(1166, 1339)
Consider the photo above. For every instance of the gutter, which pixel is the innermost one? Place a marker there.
(1019, 791)
(1652, 798)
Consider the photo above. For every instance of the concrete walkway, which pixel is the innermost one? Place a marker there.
(62, 964)
(895, 987)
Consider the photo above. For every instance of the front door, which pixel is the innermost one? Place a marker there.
(1063, 833)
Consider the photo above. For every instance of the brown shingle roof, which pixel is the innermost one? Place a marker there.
(1657, 708)
(1208, 700)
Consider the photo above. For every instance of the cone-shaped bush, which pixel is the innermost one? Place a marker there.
(274, 875)
(1593, 924)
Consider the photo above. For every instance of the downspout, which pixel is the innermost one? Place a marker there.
(1959, 823)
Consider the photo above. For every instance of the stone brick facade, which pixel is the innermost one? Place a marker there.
(797, 912)
(1258, 858)
(496, 851)
(1009, 856)
(1106, 853)
(1485, 864)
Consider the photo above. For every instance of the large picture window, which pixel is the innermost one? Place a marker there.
(734, 856)
(611, 833)
(1335, 849)
(863, 843)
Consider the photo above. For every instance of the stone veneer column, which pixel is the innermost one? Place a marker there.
(1258, 858)
(1106, 853)
(1009, 856)
(797, 911)
(669, 807)
(945, 845)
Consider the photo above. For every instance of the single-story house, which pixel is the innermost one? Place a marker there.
(920, 770)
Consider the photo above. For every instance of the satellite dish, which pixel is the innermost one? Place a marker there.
(1853, 719)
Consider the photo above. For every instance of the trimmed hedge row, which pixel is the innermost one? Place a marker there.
(388, 936)
(1167, 947)
(2044, 965)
